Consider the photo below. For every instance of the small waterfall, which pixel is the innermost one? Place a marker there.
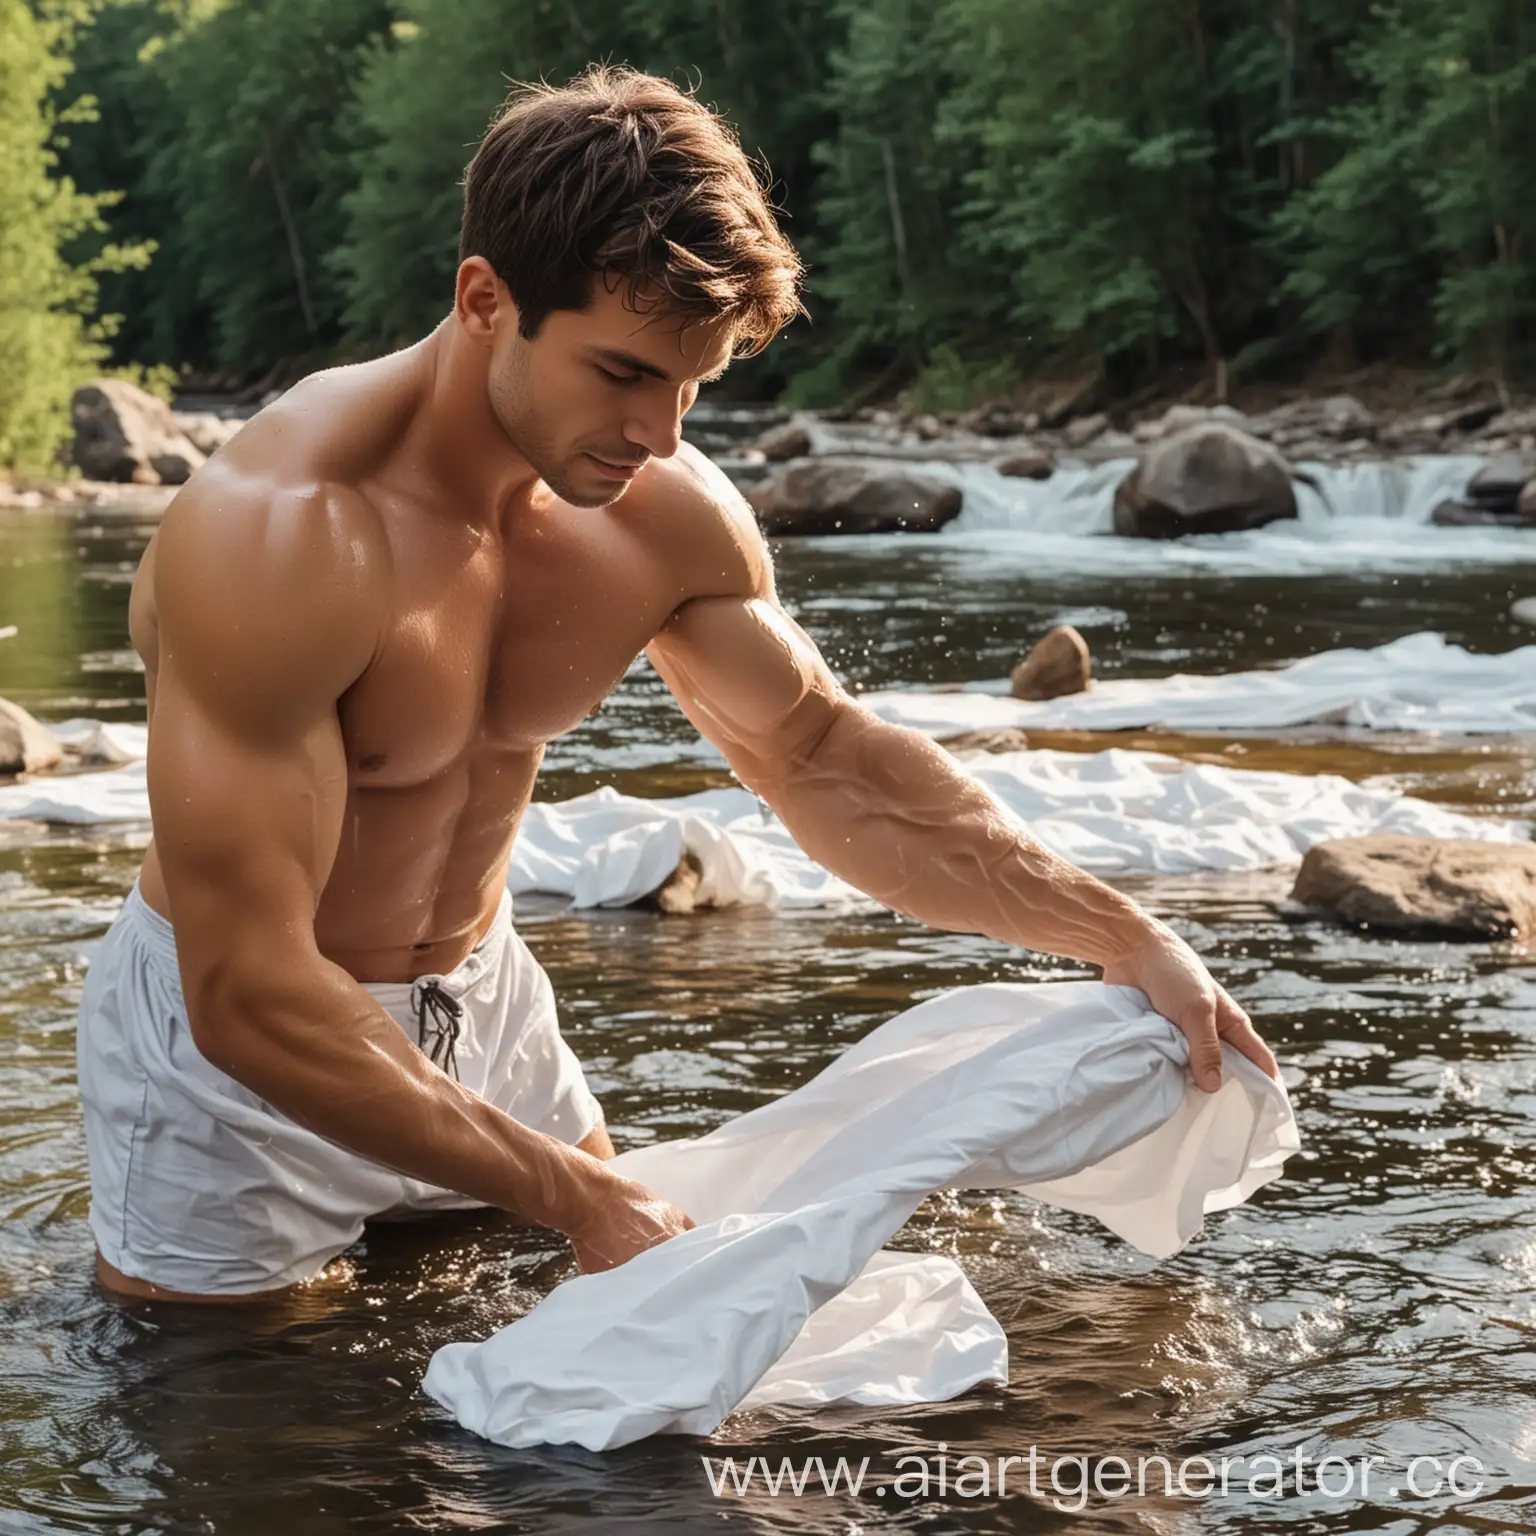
(1079, 498)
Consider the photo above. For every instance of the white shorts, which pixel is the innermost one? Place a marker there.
(198, 1185)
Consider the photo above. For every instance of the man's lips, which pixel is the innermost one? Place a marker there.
(618, 471)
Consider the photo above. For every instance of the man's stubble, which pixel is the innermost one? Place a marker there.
(515, 404)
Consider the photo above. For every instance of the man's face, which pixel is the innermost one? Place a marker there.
(601, 390)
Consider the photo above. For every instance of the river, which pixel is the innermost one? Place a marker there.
(1379, 1299)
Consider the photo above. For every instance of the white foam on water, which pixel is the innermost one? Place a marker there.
(1418, 683)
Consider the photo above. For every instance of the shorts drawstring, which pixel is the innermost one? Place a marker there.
(428, 995)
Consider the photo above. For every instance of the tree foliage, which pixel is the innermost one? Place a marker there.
(49, 339)
(982, 187)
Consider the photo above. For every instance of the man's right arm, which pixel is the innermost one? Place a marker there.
(267, 611)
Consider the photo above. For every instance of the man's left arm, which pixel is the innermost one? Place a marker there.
(897, 817)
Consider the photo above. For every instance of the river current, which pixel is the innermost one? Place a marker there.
(1380, 1299)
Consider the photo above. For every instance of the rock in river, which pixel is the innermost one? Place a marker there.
(1445, 886)
(822, 496)
(124, 433)
(1209, 478)
(26, 745)
(1060, 664)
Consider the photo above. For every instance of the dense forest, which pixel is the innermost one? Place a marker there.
(985, 190)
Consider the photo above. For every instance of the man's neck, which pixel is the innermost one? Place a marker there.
(456, 440)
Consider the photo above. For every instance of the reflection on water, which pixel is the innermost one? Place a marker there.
(1380, 1299)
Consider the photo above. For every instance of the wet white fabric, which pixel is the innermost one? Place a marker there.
(1109, 812)
(605, 849)
(103, 741)
(1418, 683)
(82, 799)
(200, 1186)
(1074, 1093)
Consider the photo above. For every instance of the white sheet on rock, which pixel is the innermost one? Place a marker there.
(1418, 683)
(1074, 1093)
(103, 741)
(1110, 812)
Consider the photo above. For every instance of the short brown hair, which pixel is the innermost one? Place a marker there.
(622, 173)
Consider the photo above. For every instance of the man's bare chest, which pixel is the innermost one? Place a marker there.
(498, 652)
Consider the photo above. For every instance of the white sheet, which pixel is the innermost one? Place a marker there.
(1110, 812)
(1072, 1092)
(1418, 683)
(103, 741)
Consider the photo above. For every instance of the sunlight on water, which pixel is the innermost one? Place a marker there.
(1381, 1298)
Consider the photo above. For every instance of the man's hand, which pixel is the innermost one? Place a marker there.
(628, 1219)
(1182, 990)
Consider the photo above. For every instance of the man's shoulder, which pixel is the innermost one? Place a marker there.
(289, 485)
(309, 453)
(248, 515)
(264, 567)
(700, 523)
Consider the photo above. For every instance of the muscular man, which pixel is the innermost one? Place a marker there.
(362, 621)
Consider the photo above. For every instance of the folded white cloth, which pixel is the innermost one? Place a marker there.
(1418, 683)
(1075, 1093)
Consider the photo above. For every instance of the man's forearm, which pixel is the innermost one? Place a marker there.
(314, 1044)
(895, 815)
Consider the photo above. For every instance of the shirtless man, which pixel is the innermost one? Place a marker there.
(361, 623)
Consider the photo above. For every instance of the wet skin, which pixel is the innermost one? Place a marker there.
(361, 623)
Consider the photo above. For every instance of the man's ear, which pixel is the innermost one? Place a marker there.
(481, 300)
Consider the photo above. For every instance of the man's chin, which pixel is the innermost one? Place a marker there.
(582, 484)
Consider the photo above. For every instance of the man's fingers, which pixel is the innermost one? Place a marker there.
(1199, 1026)
(1237, 1030)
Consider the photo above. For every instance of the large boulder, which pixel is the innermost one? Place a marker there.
(206, 431)
(26, 745)
(1209, 478)
(123, 433)
(1460, 514)
(1060, 664)
(1498, 487)
(790, 440)
(823, 496)
(1443, 886)
(1031, 464)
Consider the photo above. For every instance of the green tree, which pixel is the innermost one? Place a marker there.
(163, 318)
(428, 93)
(887, 284)
(49, 341)
(264, 86)
(1424, 226)
(423, 102)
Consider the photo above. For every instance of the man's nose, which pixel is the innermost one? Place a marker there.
(658, 431)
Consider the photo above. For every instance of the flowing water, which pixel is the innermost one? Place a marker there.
(1379, 1299)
